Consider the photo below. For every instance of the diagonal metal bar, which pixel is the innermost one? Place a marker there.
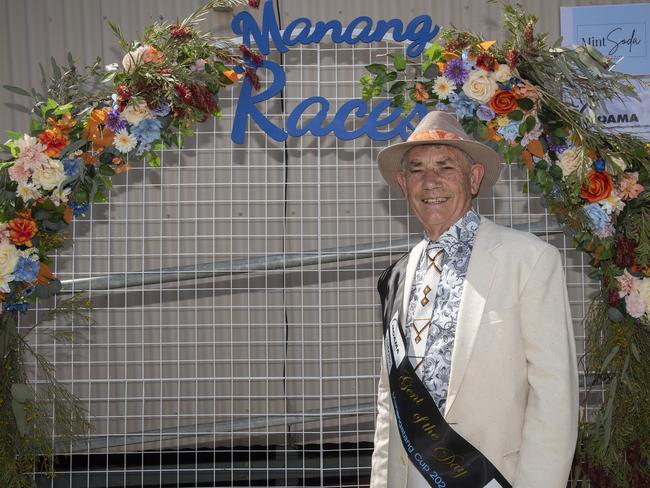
(259, 263)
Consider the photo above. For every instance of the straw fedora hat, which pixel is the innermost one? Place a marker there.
(440, 128)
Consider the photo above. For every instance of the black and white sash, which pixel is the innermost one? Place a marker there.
(443, 457)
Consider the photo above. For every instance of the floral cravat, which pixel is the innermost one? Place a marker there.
(457, 243)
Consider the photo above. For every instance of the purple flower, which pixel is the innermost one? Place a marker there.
(457, 71)
(26, 269)
(115, 122)
(556, 148)
(485, 113)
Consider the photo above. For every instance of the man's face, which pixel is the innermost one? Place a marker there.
(439, 183)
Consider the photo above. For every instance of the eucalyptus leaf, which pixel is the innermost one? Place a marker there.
(20, 416)
(612, 354)
(17, 90)
(22, 392)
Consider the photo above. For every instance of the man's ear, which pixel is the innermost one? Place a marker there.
(476, 173)
(401, 180)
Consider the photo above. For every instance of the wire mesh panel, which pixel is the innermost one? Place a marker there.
(238, 342)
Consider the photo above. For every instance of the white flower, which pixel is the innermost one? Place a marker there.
(443, 87)
(124, 142)
(612, 204)
(480, 86)
(50, 175)
(4, 282)
(27, 191)
(136, 112)
(571, 159)
(502, 73)
(111, 67)
(533, 135)
(8, 259)
(60, 196)
(133, 58)
(643, 287)
(4, 233)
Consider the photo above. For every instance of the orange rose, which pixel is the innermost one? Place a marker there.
(599, 186)
(65, 124)
(21, 230)
(503, 102)
(54, 141)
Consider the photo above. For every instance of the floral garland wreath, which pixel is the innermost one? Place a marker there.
(516, 97)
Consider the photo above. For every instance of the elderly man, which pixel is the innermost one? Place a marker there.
(478, 383)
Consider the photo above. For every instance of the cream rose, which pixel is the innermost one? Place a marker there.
(480, 86)
(49, 175)
(571, 159)
(8, 259)
(502, 73)
(136, 112)
(643, 287)
(133, 59)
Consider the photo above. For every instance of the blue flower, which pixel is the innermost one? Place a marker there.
(485, 113)
(147, 131)
(16, 307)
(71, 167)
(509, 131)
(465, 106)
(78, 209)
(599, 165)
(142, 148)
(598, 220)
(115, 122)
(26, 269)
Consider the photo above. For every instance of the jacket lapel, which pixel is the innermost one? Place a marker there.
(414, 259)
(480, 274)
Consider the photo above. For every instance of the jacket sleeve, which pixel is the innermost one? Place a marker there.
(379, 474)
(551, 418)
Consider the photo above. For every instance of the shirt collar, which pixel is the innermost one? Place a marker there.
(459, 237)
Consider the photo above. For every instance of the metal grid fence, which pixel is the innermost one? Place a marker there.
(236, 335)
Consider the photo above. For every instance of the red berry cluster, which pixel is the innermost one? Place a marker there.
(179, 32)
(486, 61)
(123, 96)
(512, 58)
(197, 96)
(254, 3)
(625, 256)
(255, 56)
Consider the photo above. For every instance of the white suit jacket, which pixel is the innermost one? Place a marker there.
(513, 387)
